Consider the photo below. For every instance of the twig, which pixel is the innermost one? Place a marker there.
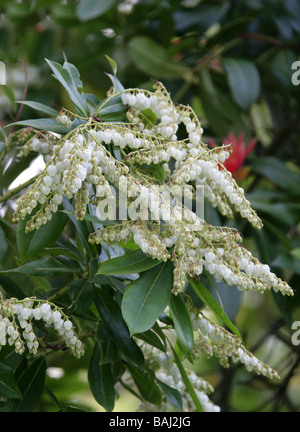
(12, 192)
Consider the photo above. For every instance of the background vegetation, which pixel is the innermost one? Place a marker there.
(232, 62)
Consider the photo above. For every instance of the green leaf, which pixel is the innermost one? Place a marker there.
(173, 395)
(135, 262)
(31, 244)
(82, 295)
(147, 297)
(45, 124)
(153, 59)
(42, 267)
(116, 83)
(151, 338)
(109, 352)
(8, 385)
(101, 380)
(111, 315)
(31, 384)
(288, 261)
(3, 245)
(11, 288)
(145, 382)
(279, 173)
(182, 322)
(40, 107)
(68, 76)
(149, 117)
(91, 9)
(208, 299)
(113, 65)
(244, 81)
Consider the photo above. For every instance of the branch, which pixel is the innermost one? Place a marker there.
(11, 193)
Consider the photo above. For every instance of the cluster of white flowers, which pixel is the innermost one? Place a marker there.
(214, 339)
(36, 141)
(64, 120)
(167, 371)
(17, 325)
(127, 6)
(83, 167)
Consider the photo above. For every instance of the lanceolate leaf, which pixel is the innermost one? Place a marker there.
(47, 124)
(30, 245)
(111, 315)
(40, 107)
(244, 81)
(173, 395)
(31, 384)
(68, 76)
(42, 267)
(8, 385)
(182, 322)
(101, 380)
(147, 297)
(153, 59)
(135, 262)
(212, 303)
(146, 384)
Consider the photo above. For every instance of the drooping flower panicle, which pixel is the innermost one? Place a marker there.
(82, 167)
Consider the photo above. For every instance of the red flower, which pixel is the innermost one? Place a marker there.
(239, 153)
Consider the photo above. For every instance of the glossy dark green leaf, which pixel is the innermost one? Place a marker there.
(100, 380)
(31, 244)
(135, 262)
(11, 288)
(182, 322)
(82, 295)
(151, 338)
(173, 395)
(91, 9)
(111, 315)
(31, 384)
(42, 267)
(109, 352)
(147, 297)
(153, 59)
(8, 386)
(208, 299)
(244, 81)
(145, 382)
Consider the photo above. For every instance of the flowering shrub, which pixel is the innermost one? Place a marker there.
(136, 310)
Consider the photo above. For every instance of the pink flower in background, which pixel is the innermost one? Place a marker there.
(240, 151)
